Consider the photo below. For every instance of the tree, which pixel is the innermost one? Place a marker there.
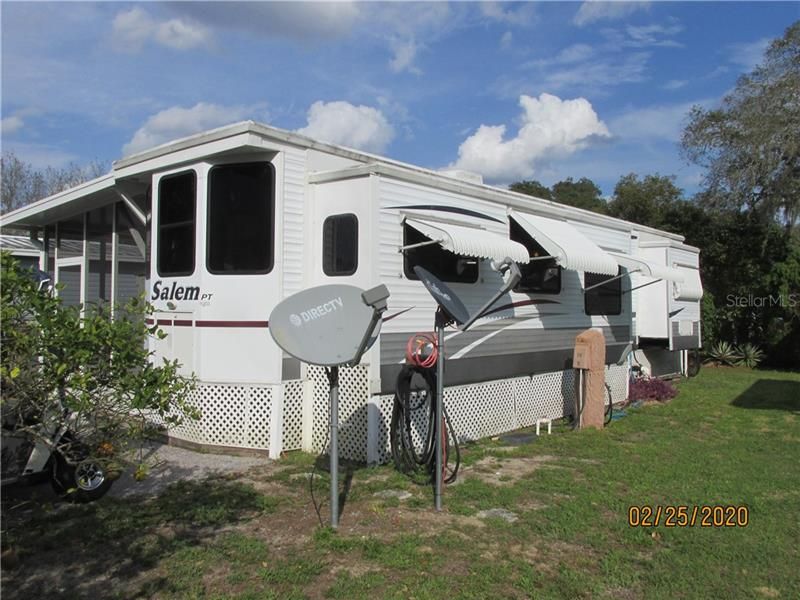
(750, 145)
(85, 371)
(644, 201)
(532, 188)
(22, 183)
(583, 193)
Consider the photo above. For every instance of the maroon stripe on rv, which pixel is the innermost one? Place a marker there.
(261, 324)
(182, 323)
(149, 321)
(164, 322)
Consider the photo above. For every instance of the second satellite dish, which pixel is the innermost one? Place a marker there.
(443, 295)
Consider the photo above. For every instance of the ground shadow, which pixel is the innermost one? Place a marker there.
(775, 394)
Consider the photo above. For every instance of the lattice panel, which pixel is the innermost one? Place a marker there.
(293, 414)
(481, 410)
(236, 416)
(353, 395)
(544, 396)
(618, 377)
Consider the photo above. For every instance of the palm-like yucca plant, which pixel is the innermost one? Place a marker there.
(749, 355)
(723, 353)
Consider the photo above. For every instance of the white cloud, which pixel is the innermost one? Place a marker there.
(506, 40)
(306, 21)
(664, 122)
(591, 12)
(404, 54)
(339, 122)
(641, 36)
(551, 128)
(177, 122)
(525, 14)
(750, 54)
(41, 156)
(12, 124)
(132, 29)
(675, 84)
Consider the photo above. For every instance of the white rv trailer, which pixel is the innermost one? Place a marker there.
(229, 222)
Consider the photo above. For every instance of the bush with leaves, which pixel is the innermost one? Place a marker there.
(723, 353)
(749, 355)
(651, 388)
(87, 372)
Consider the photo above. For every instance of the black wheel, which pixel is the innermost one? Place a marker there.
(84, 481)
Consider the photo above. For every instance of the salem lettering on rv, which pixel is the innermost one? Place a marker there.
(177, 292)
(316, 312)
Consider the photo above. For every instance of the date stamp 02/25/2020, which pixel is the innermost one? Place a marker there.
(716, 515)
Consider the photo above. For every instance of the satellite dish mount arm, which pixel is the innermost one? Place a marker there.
(504, 267)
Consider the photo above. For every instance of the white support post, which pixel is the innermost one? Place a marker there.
(56, 256)
(114, 260)
(307, 443)
(85, 264)
(276, 423)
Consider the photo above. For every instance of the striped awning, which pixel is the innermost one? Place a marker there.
(648, 268)
(570, 248)
(470, 241)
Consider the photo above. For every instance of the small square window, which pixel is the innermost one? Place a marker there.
(605, 299)
(340, 245)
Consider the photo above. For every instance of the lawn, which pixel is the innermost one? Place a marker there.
(731, 437)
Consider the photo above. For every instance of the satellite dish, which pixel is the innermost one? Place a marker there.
(444, 296)
(324, 325)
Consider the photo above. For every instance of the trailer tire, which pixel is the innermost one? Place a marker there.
(693, 363)
(83, 482)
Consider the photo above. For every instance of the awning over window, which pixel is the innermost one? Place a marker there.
(691, 289)
(468, 241)
(571, 249)
(648, 268)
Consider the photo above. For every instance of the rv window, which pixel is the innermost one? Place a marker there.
(340, 245)
(605, 299)
(176, 222)
(538, 276)
(241, 208)
(442, 263)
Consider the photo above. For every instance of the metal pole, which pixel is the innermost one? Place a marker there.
(334, 448)
(439, 400)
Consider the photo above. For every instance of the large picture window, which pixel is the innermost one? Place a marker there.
(538, 276)
(340, 245)
(177, 200)
(605, 299)
(443, 264)
(241, 209)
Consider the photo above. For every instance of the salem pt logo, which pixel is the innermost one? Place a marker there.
(176, 292)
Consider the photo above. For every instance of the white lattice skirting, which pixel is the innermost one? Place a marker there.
(240, 416)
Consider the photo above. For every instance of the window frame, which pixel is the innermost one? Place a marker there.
(355, 265)
(160, 226)
(271, 201)
(408, 271)
(616, 281)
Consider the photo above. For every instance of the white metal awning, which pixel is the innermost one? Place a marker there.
(469, 241)
(648, 268)
(571, 249)
(691, 290)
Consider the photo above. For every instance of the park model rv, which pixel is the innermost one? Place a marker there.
(216, 229)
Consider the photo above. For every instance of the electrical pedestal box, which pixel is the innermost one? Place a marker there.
(590, 384)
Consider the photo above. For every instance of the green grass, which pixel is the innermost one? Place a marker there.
(731, 437)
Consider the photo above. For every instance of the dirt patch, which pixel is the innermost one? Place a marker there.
(509, 470)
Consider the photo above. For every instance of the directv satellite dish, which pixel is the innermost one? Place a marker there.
(325, 325)
(444, 296)
(330, 325)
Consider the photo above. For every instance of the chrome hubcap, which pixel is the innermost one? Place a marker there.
(89, 476)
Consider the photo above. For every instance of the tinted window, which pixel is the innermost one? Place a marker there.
(340, 245)
(538, 276)
(176, 222)
(605, 299)
(442, 263)
(241, 204)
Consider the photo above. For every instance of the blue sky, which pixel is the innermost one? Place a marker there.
(510, 90)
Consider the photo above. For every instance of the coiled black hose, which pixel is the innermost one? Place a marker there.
(404, 452)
